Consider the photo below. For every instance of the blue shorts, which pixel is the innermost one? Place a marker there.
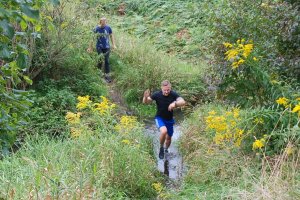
(160, 122)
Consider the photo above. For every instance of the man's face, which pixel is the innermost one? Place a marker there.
(166, 90)
(102, 22)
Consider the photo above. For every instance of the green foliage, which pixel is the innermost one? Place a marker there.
(17, 25)
(249, 85)
(263, 23)
(279, 124)
(62, 70)
(48, 111)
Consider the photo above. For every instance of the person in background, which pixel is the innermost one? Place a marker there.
(166, 101)
(103, 47)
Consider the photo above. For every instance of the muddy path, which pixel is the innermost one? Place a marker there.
(172, 166)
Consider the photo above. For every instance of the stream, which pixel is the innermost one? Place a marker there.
(172, 166)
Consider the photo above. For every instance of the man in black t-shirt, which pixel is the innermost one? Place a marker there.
(166, 100)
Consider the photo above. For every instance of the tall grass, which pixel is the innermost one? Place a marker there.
(92, 166)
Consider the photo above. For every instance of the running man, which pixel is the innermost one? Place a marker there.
(166, 101)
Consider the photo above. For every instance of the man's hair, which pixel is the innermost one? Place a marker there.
(102, 18)
(165, 83)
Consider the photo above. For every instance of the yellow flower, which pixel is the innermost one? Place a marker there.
(282, 101)
(298, 99)
(247, 50)
(212, 112)
(126, 141)
(231, 54)
(227, 45)
(236, 113)
(158, 187)
(219, 138)
(241, 61)
(104, 106)
(73, 118)
(127, 123)
(235, 65)
(296, 108)
(239, 133)
(258, 144)
(210, 151)
(83, 102)
(75, 132)
(255, 59)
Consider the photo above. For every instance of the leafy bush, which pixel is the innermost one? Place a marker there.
(48, 111)
(19, 29)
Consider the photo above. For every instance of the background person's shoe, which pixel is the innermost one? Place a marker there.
(161, 153)
(107, 78)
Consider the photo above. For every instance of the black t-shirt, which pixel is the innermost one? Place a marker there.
(163, 102)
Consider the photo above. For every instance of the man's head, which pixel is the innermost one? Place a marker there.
(166, 87)
(102, 21)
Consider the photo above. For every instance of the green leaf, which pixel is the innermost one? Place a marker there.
(30, 12)
(7, 28)
(38, 28)
(4, 52)
(23, 25)
(28, 80)
(3, 13)
(21, 61)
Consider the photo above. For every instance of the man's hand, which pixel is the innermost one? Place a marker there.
(172, 106)
(89, 50)
(146, 96)
(147, 93)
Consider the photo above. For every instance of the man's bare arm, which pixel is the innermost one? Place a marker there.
(112, 38)
(178, 103)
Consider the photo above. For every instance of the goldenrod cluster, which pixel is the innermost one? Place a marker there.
(127, 123)
(74, 121)
(73, 118)
(225, 127)
(75, 132)
(238, 52)
(84, 102)
(104, 106)
(158, 187)
(288, 104)
(258, 144)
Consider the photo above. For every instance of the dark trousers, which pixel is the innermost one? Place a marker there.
(105, 53)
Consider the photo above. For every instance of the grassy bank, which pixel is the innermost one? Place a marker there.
(221, 169)
(92, 166)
